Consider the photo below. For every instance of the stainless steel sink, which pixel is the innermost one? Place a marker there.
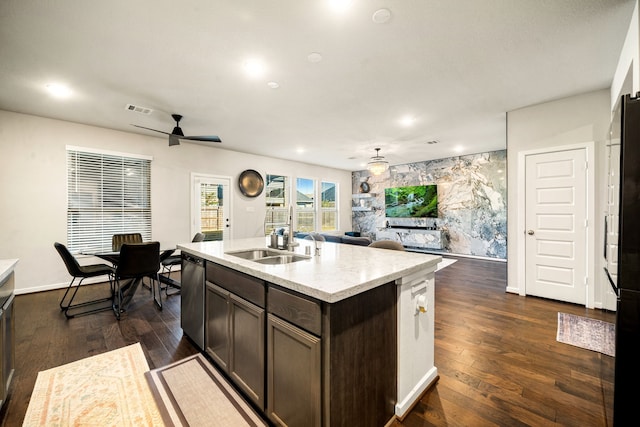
(254, 254)
(268, 256)
(281, 259)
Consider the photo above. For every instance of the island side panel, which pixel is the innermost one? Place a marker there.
(416, 323)
(360, 359)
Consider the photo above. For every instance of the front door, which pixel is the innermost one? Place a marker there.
(556, 225)
(210, 207)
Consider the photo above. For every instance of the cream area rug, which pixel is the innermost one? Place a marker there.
(190, 392)
(592, 334)
(108, 389)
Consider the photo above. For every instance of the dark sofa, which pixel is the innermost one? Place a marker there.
(347, 239)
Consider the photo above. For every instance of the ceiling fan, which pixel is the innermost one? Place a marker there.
(176, 135)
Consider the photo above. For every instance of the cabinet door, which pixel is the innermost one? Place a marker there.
(246, 366)
(8, 347)
(217, 328)
(293, 372)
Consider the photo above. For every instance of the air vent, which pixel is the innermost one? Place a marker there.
(138, 109)
(432, 142)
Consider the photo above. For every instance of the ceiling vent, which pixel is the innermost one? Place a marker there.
(138, 109)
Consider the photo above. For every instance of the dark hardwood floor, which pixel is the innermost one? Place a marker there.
(496, 353)
(498, 359)
(45, 338)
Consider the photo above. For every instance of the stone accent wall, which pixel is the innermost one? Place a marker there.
(472, 205)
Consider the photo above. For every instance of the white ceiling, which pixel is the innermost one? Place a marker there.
(455, 65)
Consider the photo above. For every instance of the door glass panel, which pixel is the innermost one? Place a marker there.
(211, 214)
(211, 207)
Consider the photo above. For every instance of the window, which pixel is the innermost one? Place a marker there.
(108, 193)
(328, 206)
(277, 202)
(305, 205)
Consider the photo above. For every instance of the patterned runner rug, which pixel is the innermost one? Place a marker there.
(592, 334)
(108, 389)
(190, 392)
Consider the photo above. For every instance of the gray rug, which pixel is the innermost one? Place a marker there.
(591, 334)
(190, 392)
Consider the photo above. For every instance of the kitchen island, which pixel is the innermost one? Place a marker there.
(340, 338)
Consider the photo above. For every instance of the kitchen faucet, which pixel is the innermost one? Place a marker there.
(315, 243)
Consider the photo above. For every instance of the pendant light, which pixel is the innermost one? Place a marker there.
(377, 165)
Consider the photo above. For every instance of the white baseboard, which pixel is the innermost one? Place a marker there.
(402, 408)
(53, 286)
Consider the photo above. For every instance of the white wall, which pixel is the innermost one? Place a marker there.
(568, 121)
(33, 189)
(626, 79)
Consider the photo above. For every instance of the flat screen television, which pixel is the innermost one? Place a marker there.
(417, 201)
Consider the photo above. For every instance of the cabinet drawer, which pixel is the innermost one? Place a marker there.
(300, 311)
(247, 287)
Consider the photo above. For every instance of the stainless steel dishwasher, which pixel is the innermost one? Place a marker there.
(192, 298)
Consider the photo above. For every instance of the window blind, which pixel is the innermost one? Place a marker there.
(107, 194)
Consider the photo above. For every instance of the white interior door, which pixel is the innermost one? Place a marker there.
(556, 225)
(211, 206)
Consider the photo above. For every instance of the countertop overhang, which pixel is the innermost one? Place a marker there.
(339, 272)
(6, 267)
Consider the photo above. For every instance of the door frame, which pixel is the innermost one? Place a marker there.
(520, 236)
(194, 176)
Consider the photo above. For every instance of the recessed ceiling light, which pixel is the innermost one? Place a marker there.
(314, 57)
(300, 150)
(340, 5)
(458, 148)
(381, 16)
(58, 90)
(254, 68)
(407, 121)
(273, 85)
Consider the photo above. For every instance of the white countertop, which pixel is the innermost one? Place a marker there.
(6, 267)
(340, 271)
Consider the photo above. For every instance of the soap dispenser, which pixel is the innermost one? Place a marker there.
(274, 239)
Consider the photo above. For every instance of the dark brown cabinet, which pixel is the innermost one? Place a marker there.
(304, 362)
(235, 328)
(7, 337)
(294, 359)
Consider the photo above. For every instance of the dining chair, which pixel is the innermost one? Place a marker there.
(387, 244)
(169, 263)
(174, 260)
(137, 261)
(118, 239)
(82, 272)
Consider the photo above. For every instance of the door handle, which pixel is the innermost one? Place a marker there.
(530, 232)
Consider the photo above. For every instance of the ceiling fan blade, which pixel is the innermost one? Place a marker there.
(155, 130)
(210, 138)
(176, 135)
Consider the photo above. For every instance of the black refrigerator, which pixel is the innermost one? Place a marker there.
(626, 280)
